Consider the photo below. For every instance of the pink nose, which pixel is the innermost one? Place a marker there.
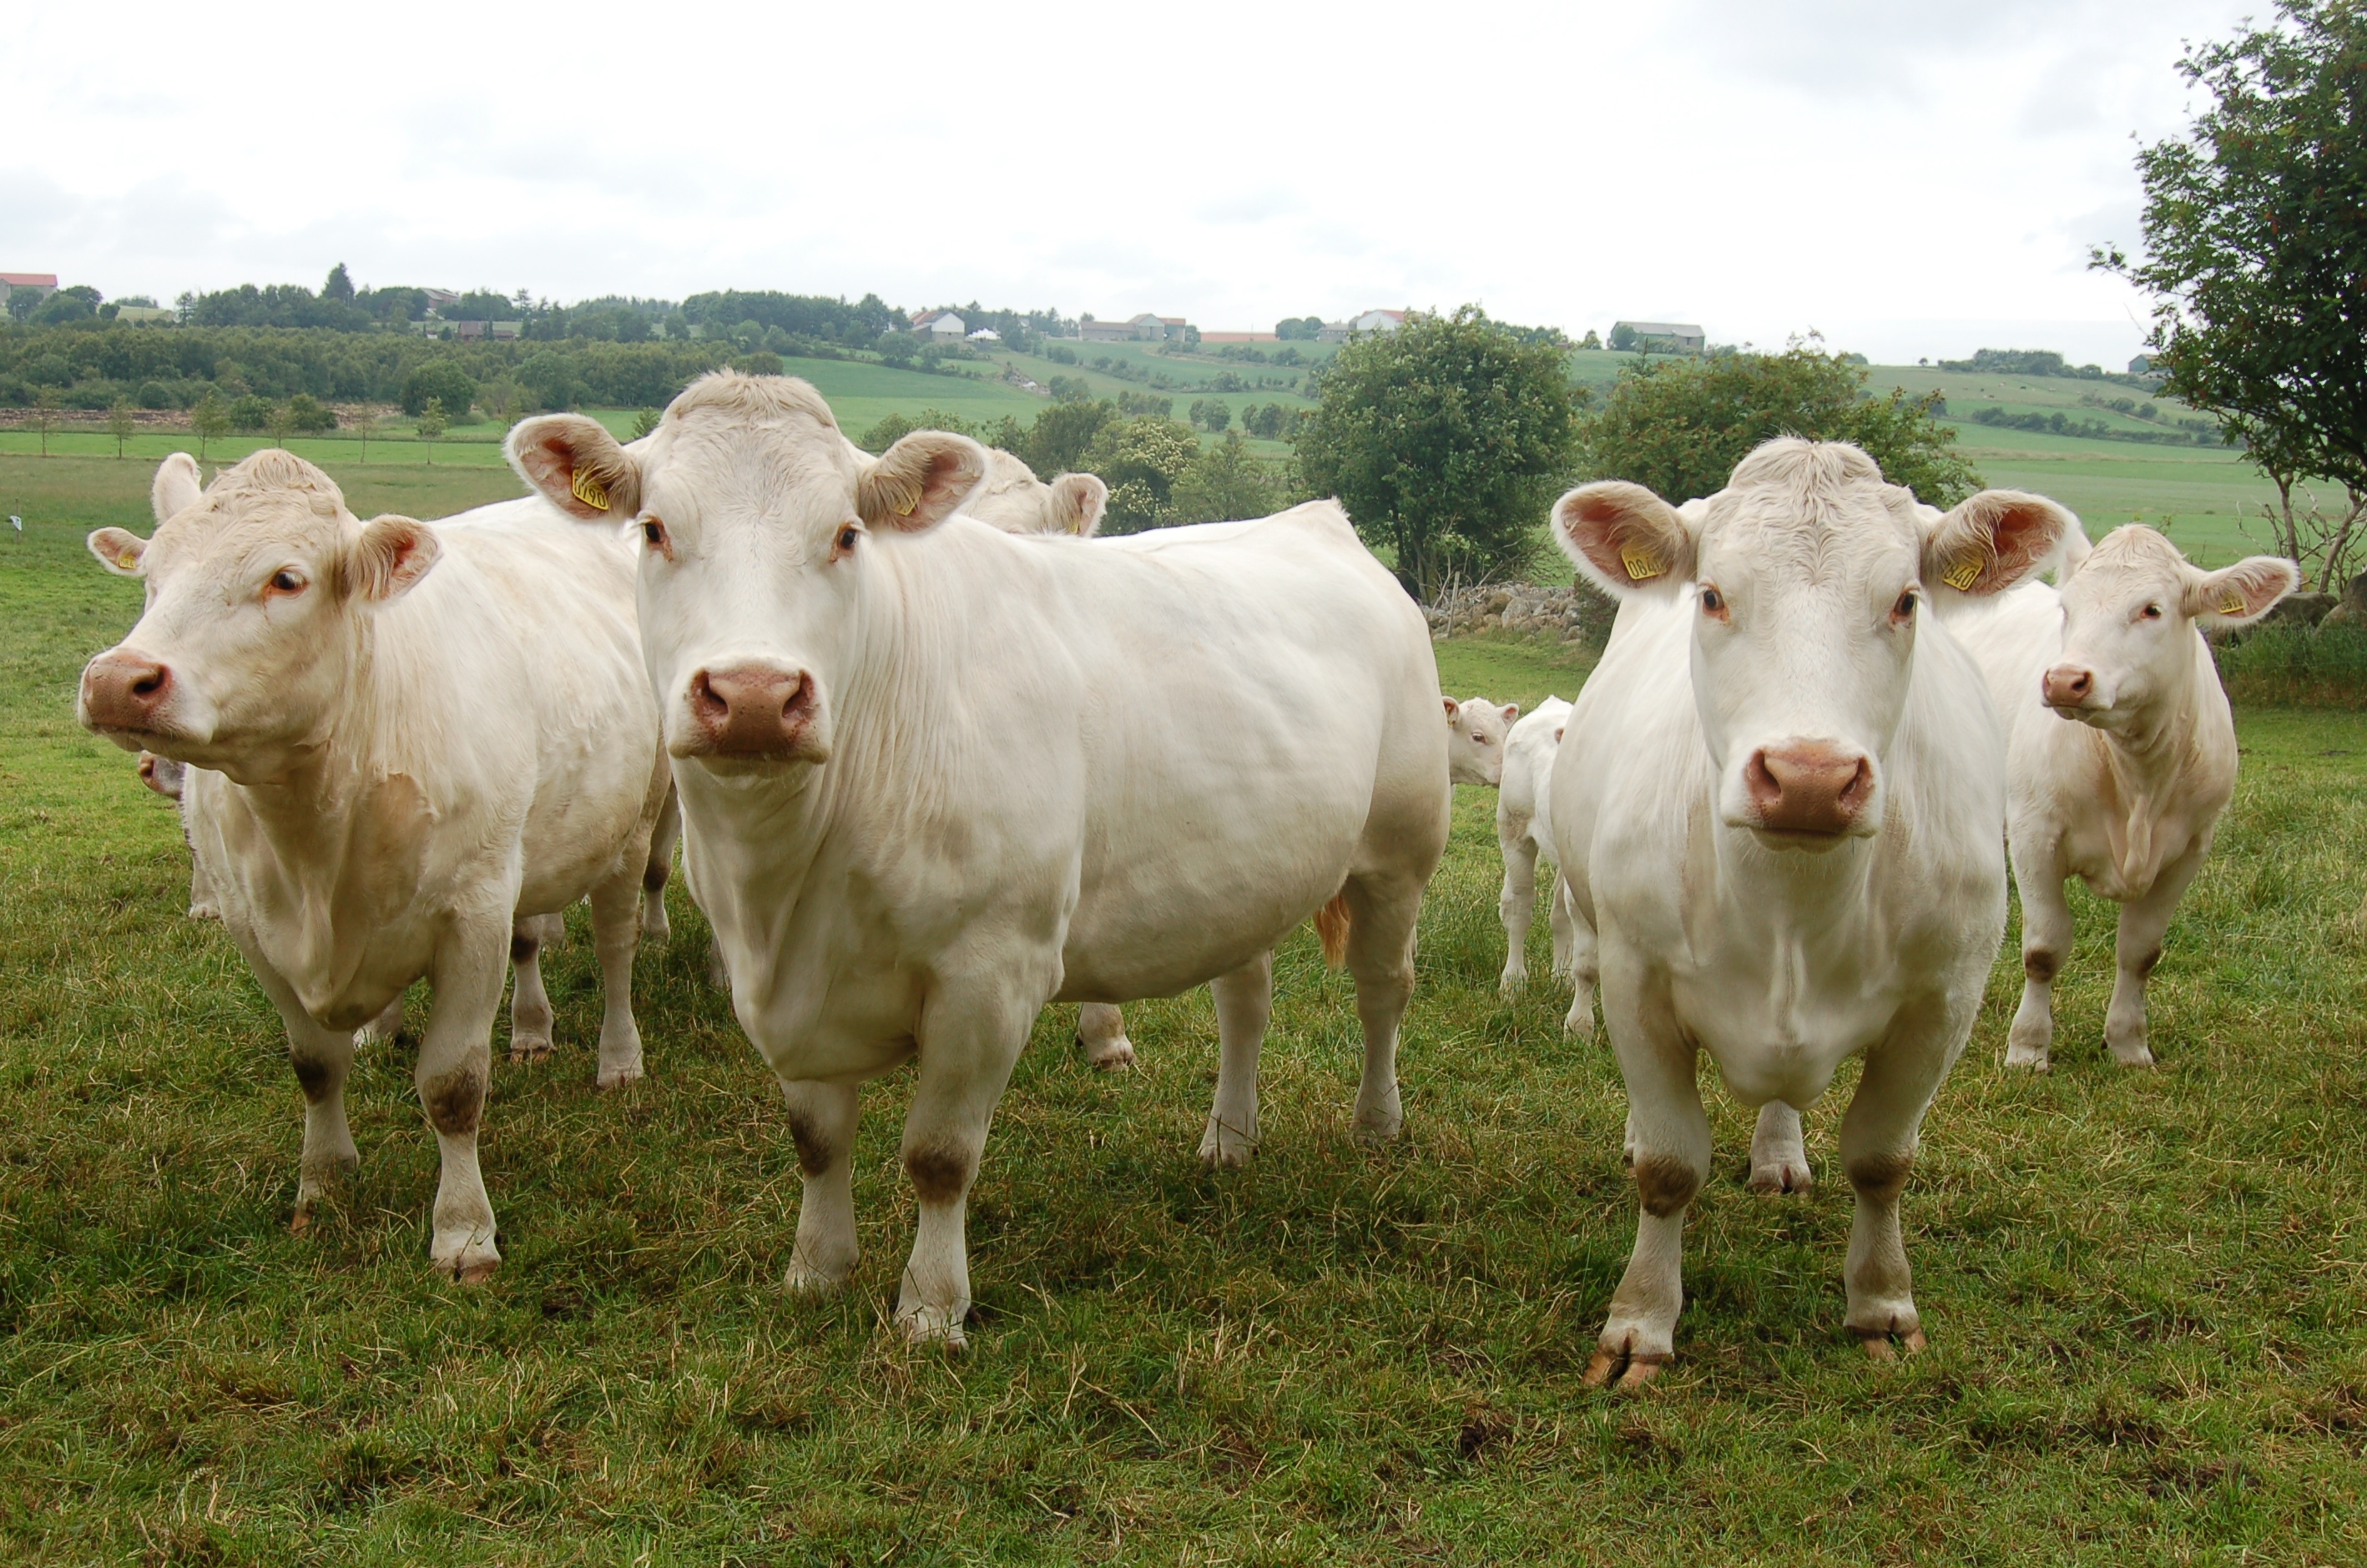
(123, 691)
(752, 710)
(1808, 787)
(2068, 686)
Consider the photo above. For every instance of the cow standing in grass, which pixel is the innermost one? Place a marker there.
(405, 743)
(935, 775)
(1784, 838)
(2122, 751)
(1524, 837)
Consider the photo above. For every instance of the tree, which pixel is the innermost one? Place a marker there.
(1062, 435)
(2255, 229)
(1622, 338)
(283, 422)
(1211, 415)
(1142, 460)
(209, 421)
(45, 414)
(120, 424)
(78, 302)
(1679, 426)
(1224, 483)
(340, 287)
(1589, 340)
(1446, 441)
(1298, 329)
(365, 424)
(645, 421)
(431, 425)
(441, 381)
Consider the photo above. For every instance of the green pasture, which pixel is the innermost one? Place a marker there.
(2144, 1291)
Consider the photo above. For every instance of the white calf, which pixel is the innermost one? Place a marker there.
(2121, 748)
(1475, 740)
(405, 743)
(1784, 838)
(1524, 834)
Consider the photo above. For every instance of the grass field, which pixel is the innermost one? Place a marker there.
(2144, 1291)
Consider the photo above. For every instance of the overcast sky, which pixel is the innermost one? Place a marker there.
(1910, 177)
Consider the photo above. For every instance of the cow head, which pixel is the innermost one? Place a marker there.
(764, 532)
(1014, 499)
(2130, 611)
(1804, 580)
(259, 591)
(1475, 740)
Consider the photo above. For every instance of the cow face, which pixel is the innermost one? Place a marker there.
(1014, 499)
(2128, 612)
(1805, 581)
(1475, 740)
(257, 588)
(764, 534)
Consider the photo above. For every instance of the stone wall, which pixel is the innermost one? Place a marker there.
(1575, 614)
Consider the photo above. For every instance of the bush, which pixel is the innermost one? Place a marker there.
(445, 382)
(250, 413)
(305, 414)
(2285, 662)
(156, 395)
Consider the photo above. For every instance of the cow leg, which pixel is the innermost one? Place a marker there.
(322, 1059)
(1779, 1157)
(383, 1029)
(2046, 937)
(202, 906)
(821, 1121)
(1516, 905)
(1669, 1151)
(1877, 1149)
(454, 1069)
(1244, 1004)
(2144, 922)
(529, 1003)
(1382, 911)
(1585, 968)
(1565, 929)
(616, 935)
(970, 1040)
(659, 869)
(718, 973)
(1100, 1030)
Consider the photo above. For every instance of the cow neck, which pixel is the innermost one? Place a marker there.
(900, 718)
(1812, 892)
(2144, 765)
(307, 803)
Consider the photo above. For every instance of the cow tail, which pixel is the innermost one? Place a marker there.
(1332, 924)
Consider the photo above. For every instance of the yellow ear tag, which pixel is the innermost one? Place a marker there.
(1641, 562)
(590, 491)
(1963, 574)
(2233, 604)
(129, 561)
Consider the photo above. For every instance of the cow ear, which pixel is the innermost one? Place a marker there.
(1512, 712)
(1623, 537)
(2238, 595)
(178, 486)
(578, 467)
(1454, 708)
(117, 550)
(920, 482)
(1994, 540)
(1078, 503)
(388, 559)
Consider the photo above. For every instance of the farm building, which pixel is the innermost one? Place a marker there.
(1143, 328)
(942, 324)
(1370, 321)
(1658, 337)
(1240, 337)
(40, 285)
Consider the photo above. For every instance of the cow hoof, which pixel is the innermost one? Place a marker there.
(1781, 1176)
(1580, 1020)
(1111, 1055)
(301, 1221)
(618, 1078)
(1226, 1148)
(1633, 1372)
(204, 912)
(2028, 1058)
(1878, 1348)
(2135, 1057)
(1378, 1134)
(805, 1279)
(934, 1326)
(654, 927)
(1513, 982)
(475, 1273)
(528, 1051)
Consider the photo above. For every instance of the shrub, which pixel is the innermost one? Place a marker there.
(156, 395)
(250, 412)
(443, 381)
(2286, 662)
(305, 414)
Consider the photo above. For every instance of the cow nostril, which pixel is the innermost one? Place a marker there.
(149, 685)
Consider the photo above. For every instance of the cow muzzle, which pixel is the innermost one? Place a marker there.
(1809, 791)
(123, 697)
(162, 774)
(753, 713)
(2070, 689)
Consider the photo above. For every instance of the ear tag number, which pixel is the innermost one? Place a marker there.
(127, 560)
(2232, 606)
(1963, 575)
(1641, 562)
(590, 491)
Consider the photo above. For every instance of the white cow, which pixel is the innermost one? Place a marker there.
(1524, 835)
(2121, 748)
(404, 742)
(935, 775)
(1475, 740)
(1784, 838)
(1016, 500)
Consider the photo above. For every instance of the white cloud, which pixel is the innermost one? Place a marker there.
(1760, 167)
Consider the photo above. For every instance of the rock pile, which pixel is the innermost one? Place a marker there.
(1576, 614)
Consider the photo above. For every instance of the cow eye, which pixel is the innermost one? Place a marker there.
(286, 580)
(1713, 602)
(846, 537)
(1904, 608)
(653, 534)
(2153, 612)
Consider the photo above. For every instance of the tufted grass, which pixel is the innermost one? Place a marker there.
(2144, 1291)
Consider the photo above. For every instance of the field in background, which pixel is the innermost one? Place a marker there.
(2144, 1289)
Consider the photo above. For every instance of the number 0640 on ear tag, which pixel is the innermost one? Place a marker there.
(590, 491)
